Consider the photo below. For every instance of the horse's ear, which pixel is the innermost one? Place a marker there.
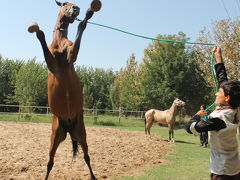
(58, 3)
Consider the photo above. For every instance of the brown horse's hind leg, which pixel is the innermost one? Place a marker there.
(58, 135)
(79, 133)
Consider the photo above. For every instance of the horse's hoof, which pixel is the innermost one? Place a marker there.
(147, 138)
(93, 178)
(33, 27)
(95, 5)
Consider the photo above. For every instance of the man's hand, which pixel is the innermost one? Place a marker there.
(202, 113)
(218, 54)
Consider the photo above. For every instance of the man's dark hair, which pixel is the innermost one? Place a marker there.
(232, 88)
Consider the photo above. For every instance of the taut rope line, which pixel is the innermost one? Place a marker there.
(145, 37)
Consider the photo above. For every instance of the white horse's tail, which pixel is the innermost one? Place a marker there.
(145, 123)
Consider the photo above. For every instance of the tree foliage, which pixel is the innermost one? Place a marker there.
(96, 86)
(226, 33)
(8, 73)
(168, 70)
(31, 84)
(171, 71)
(126, 89)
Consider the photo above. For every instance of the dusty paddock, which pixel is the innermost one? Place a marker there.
(24, 153)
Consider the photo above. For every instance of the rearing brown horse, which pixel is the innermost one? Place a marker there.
(65, 94)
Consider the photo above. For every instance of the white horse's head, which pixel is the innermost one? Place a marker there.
(179, 102)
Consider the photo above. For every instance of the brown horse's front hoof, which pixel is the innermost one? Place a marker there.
(33, 27)
(93, 178)
(95, 5)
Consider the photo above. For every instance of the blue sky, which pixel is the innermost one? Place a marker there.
(105, 48)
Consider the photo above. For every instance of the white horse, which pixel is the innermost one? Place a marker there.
(163, 117)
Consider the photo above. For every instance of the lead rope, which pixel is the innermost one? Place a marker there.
(145, 37)
(215, 82)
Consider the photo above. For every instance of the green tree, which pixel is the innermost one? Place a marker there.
(31, 84)
(226, 33)
(171, 71)
(114, 94)
(126, 90)
(96, 86)
(8, 72)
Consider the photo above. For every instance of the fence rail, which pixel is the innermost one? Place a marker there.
(26, 111)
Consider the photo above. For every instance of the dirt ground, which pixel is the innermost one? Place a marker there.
(24, 153)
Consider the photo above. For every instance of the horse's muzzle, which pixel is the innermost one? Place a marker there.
(76, 11)
(72, 14)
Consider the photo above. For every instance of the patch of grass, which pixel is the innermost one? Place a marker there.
(115, 122)
(102, 123)
(25, 117)
(187, 161)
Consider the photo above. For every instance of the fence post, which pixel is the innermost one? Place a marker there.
(95, 114)
(120, 114)
(141, 115)
(19, 112)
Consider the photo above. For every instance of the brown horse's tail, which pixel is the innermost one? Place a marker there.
(69, 128)
(74, 148)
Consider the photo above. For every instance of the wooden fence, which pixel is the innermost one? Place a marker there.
(21, 110)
